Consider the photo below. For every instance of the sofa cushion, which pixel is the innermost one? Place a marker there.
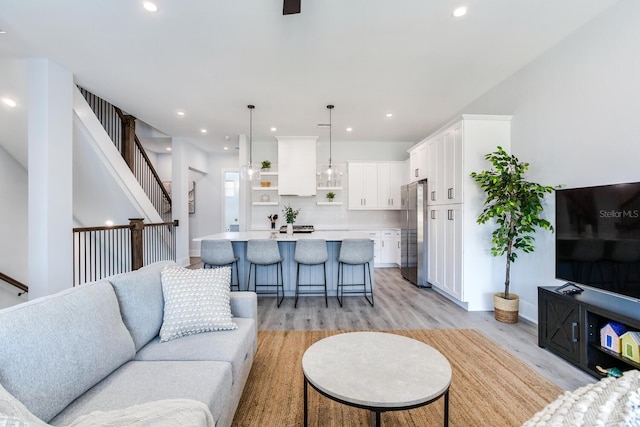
(141, 303)
(227, 346)
(195, 301)
(140, 382)
(55, 348)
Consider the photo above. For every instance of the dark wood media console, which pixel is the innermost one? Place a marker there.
(569, 326)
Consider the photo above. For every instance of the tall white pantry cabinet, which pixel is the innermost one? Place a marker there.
(459, 259)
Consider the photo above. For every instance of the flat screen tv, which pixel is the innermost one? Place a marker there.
(598, 237)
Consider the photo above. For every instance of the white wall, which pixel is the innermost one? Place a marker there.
(13, 226)
(575, 120)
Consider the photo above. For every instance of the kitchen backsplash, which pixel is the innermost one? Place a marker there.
(323, 217)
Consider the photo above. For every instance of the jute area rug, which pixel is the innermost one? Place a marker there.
(489, 387)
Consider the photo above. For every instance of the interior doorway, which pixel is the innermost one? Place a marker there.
(231, 191)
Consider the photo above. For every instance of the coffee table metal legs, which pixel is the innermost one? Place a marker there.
(375, 419)
(306, 383)
(446, 409)
(375, 415)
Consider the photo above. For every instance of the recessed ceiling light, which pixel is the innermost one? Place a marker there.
(10, 102)
(226, 148)
(459, 11)
(203, 130)
(150, 6)
(168, 148)
(389, 115)
(180, 113)
(349, 129)
(273, 129)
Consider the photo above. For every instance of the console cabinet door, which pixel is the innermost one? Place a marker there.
(559, 325)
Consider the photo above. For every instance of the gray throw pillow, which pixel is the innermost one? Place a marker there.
(195, 301)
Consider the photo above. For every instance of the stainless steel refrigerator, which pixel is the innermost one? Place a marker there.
(413, 235)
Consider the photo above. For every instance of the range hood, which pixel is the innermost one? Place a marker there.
(297, 165)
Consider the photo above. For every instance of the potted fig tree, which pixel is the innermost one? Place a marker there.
(515, 206)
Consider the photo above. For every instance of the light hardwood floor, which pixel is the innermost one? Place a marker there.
(401, 305)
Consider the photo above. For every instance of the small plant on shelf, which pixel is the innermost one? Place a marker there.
(290, 214)
(330, 196)
(266, 165)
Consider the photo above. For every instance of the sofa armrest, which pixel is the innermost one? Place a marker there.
(244, 304)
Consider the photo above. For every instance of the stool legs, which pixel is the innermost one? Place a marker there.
(324, 274)
(279, 280)
(366, 268)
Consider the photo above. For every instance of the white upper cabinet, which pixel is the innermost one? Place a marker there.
(389, 183)
(297, 165)
(453, 167)
(418, 162)
(375, 185)
(363, 185)
(459, 149)
(435, 183)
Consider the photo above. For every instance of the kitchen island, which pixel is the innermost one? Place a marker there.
(287, 245)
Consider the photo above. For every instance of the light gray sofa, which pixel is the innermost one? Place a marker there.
(96, 348)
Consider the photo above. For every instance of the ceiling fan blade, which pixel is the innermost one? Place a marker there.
(290, 7)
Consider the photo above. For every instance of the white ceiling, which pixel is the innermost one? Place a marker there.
(211, 58)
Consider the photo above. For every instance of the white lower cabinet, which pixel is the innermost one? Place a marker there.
(389, 247)
(386, 246)
(445, 248)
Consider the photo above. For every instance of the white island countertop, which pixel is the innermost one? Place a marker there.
(243, 236)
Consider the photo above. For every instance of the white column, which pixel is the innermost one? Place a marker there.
(180, 199)
(50, 130)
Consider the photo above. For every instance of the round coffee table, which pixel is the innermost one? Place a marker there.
(377, 371)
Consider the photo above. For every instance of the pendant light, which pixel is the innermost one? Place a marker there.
(329, 171)
(251, 172)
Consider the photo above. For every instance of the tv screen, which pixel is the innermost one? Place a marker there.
(598, 237)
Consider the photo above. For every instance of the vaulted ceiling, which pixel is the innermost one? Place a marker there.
(209, 59)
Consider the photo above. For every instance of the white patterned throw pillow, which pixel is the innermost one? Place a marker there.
(195, 301)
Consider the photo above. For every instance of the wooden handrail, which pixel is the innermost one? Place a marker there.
(153, 170)
(10, 280)
(146, 158)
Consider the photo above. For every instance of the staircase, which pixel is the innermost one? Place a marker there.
(121, 129)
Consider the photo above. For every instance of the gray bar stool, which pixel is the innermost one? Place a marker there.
(355, 252)
(219, 253)
(311, 252)
(265, 252)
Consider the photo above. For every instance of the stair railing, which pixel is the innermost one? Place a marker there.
(121, 129)
(99, 252)
(13, 282)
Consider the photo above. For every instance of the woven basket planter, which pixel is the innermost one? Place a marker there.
(506, 310)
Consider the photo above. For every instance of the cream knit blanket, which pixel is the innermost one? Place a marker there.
(609, 402)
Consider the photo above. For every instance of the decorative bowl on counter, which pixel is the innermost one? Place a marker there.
(265, 184)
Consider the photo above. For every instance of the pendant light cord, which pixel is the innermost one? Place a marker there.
(251, 107)
(330, 107)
